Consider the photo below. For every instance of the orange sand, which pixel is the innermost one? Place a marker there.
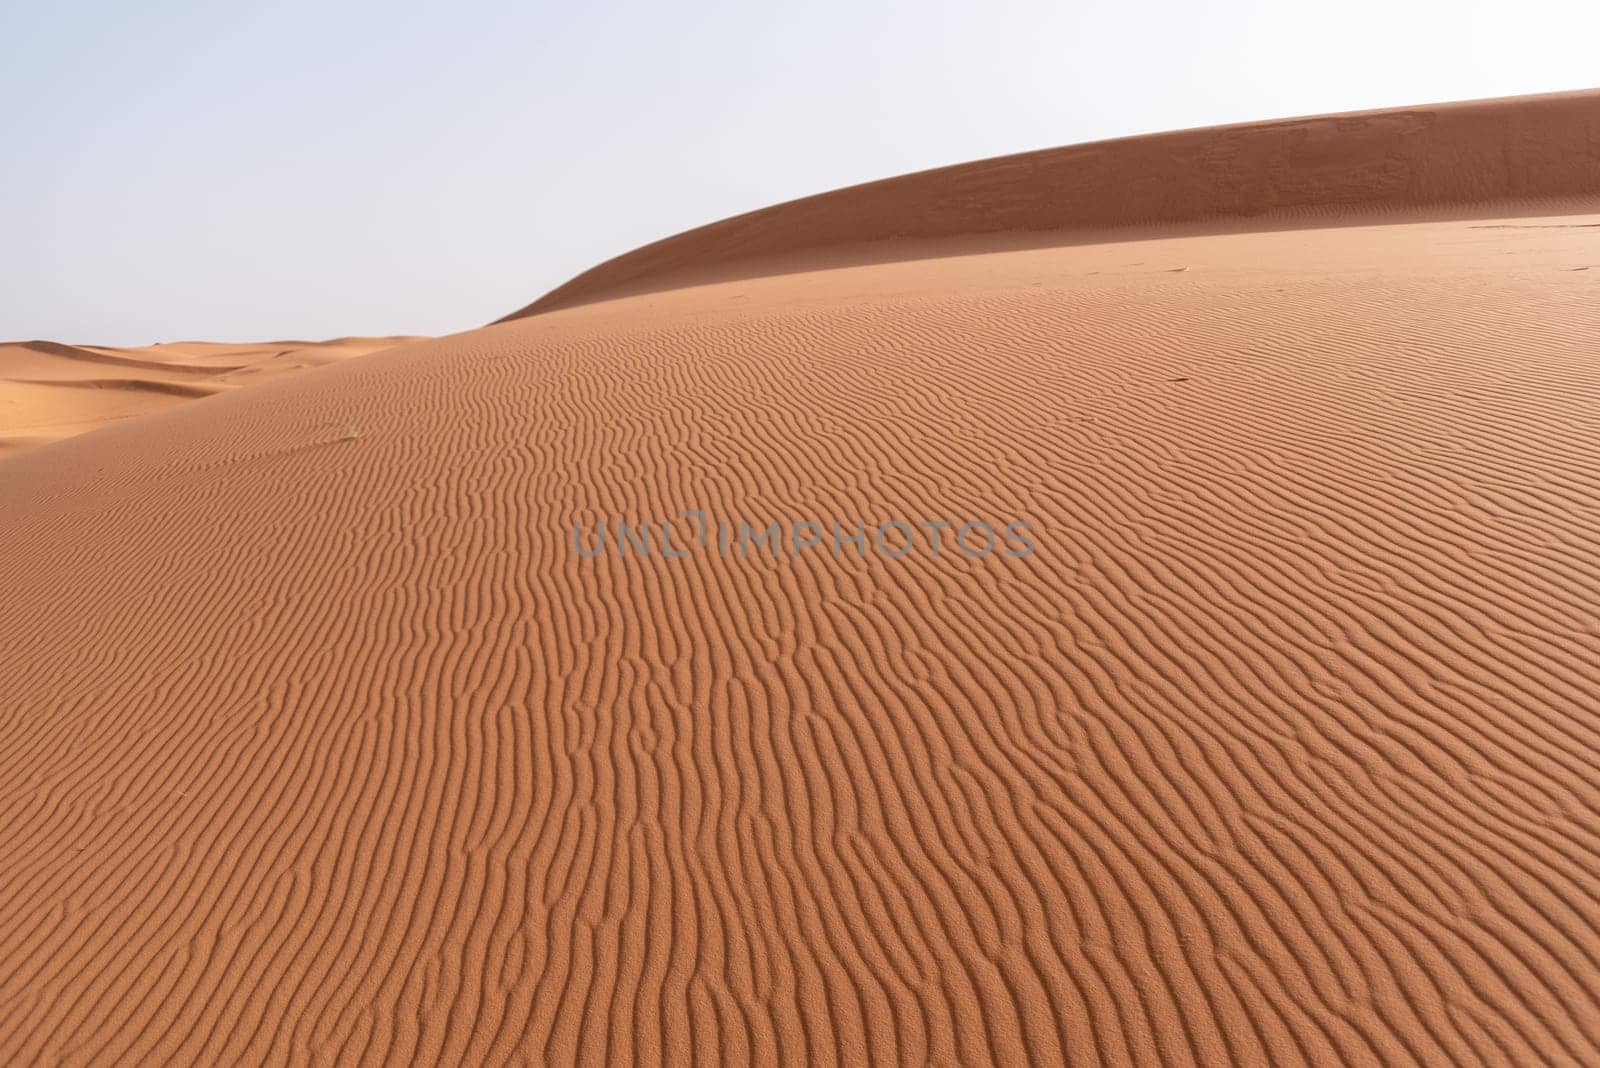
(319, 743)
(50, 391)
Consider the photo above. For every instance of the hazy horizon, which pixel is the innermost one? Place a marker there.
(181, 172)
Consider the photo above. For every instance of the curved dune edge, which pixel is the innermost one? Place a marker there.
(1526, 151)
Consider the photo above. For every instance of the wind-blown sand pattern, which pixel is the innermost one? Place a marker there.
(50, 391)
(319, 743)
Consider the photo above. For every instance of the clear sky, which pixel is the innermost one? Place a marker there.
(176, 169)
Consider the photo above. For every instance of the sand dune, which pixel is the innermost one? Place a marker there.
(322, 742)
(50, 391)
(1533, 154)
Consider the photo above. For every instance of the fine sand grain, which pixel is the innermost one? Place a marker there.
(320, 743)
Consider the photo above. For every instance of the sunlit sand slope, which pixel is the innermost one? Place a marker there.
(321, 742)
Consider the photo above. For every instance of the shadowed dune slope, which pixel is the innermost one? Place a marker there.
(50, 391)
(320, 743)
(1532, 152)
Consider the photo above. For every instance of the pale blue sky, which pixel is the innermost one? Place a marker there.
(179, 169)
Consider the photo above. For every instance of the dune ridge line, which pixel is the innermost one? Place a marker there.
(1473, 153)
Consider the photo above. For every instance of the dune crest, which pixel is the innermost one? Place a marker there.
(1533, 152)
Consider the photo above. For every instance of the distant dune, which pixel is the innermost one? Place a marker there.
(50, 391)
(324, 740)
